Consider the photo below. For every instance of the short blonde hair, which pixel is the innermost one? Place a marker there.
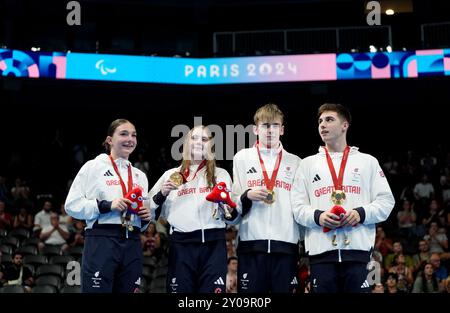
(268, 113)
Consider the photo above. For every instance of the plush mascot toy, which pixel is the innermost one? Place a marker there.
(220, 194)
(337, 210)
(135, 196)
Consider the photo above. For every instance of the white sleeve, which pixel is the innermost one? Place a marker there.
(301, 205)
(238, 183)
(77, 204)
(155, 189)
(382, 200)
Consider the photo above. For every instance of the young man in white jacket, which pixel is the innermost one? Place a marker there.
(268, 235)
(340, 176)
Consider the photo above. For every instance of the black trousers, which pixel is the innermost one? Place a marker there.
(338, 277)
(260, 272)
(111, 263)
(196, 267)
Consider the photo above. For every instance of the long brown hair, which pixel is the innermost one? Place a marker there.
(210, 157)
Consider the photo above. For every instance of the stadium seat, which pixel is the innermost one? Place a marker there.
(5, 249)
(28, 250)
(159, 272)
(70, 289)
(10, 241)
(149, 261)
(33, 241)
(75, 251)
(147, 272)
(50, 269)
(61, 259)
(44, 289)
(49, 280)
(158, 285)
(6, 259)
(49, 250)
(35, 260)
(20, 233)
(12, 289)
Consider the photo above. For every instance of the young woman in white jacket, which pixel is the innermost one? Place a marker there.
(197, 252)
(112, 256)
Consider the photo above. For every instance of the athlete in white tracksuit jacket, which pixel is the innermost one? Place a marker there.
(197, 253)
(268, 234)
(369, 200)
(112, 256)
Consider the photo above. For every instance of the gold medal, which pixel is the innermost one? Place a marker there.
(334, 241)
(270, 197)
(338, 197)
(177, 179)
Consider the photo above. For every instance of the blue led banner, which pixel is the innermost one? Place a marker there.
(190, 71)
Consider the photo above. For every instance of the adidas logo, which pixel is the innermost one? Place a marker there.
(108, 173)
(219, 282)
(365, 284)
(251, 171)
(316, 178)
(294, 281)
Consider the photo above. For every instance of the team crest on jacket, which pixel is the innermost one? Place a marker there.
(288, 172)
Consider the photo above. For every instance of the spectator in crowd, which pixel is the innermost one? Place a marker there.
(437, 239)
(55, 234)
(426, 281)
(23, 219)
(64, 218)
(435, 214)
(378, 288)
(6, 220)
(422, 257)
(21, 192)
(423, 191)
(231, 286)
(440, 270)
(382, 243)
(148, 240)
(404, 273)
(17, 274)
(76, 237)
(391, 284)
(398, 249)
(42, 218)
(406, 219)
(447, 285)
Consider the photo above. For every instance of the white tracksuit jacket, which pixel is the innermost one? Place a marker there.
(186, 208)
(97, 181)
(265, 227)
(367, 190)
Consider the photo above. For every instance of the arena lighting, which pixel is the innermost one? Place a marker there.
(35, 49)
(390, 12)
(389, 49)
(372, 49)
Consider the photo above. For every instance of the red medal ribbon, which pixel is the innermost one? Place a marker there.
(130, 177)
(186, 171)
(270, 183)
(337, 181)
